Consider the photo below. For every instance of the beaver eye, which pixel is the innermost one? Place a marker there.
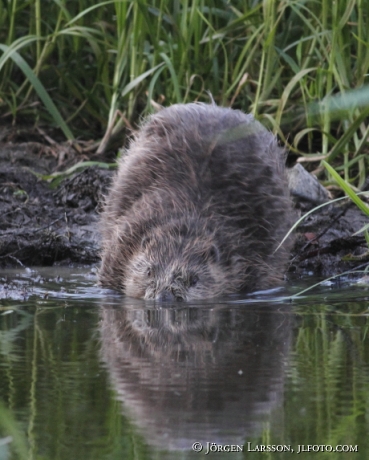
(149, 272)
(194, 280)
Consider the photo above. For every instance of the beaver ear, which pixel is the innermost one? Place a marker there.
(212, 254)
(145, 242)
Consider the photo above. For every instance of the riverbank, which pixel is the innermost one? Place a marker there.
(46, 226)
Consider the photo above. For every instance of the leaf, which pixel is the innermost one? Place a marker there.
(40, 90)
(139, 79)
(347, 189)
(57, 177)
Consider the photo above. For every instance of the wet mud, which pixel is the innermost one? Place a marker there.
(43, 226)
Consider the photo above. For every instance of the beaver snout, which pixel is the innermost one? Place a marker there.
(168, 296)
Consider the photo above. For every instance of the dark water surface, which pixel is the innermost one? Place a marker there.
(87, 374)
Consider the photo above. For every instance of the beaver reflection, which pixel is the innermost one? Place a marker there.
(195, 374)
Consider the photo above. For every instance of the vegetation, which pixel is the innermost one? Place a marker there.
(300, 66)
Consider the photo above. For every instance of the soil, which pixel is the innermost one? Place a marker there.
(326, 244)
(40, 225)
(44, 226)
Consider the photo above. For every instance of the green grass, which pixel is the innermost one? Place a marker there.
(300, 66)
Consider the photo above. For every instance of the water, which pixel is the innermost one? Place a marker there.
(88, 374)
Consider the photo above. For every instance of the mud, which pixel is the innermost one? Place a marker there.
(326, 243)
(43, 226)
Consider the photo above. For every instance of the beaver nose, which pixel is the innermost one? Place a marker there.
(167, 296)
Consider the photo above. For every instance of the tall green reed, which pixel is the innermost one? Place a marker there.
(103, 64)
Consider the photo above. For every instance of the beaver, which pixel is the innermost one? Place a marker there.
(198, 207)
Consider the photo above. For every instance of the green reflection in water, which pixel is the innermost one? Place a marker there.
(327, 384)
(53, 384)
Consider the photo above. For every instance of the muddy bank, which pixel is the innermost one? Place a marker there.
(326, 244)
(44, 226)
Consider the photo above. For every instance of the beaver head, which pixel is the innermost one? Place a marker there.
(176, 263)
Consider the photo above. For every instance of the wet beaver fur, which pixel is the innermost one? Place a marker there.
(198, 207)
